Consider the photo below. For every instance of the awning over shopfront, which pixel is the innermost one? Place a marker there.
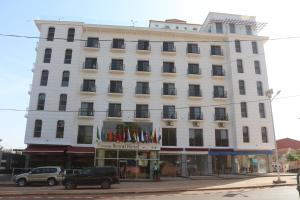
(80, 150)
(235, 153)
(33, 149)
(264, 152)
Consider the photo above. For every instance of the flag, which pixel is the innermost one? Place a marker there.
(142, 136)
(128, 135)
(138, 137)
(154, 137)
(98, 139)
(147, 136)
(110, 136)
(159, 138)
(102, 135)
(124, 135)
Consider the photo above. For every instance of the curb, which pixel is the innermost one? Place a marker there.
(144, 192)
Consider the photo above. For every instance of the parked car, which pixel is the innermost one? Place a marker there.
(103, 176)
(51, 175)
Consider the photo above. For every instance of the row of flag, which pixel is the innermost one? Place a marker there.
(127, 136)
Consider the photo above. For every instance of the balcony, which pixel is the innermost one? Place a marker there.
(92, 45)
(218, 73)
(169, 115)
(217, 53)
(142, 115)
(169, 92)
(142, 92)
(119, 69)
(168, 71)
(88, 89)
(195, 94)
(194, 72)
(168, 50)
(143, 69)
(85, 113)
(114, 114)
(220, 96)
(143, 48)
(118, 47)
(193, 51)
(221, 117)
(116, 91)
(195, 116)
(90, 66)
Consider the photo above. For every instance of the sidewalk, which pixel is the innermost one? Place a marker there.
(167, 185)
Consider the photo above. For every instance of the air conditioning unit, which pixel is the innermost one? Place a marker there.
(170, 123)
(221, 124)
(197, 124)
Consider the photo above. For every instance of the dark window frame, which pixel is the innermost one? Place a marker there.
(246, 136)
(60, 128)
(85, 134)
(71, 35)
(221, 138)
(44, 77)
(68, 56)
(47, 55)
(196, 137)
(244, 109)
(169, 137)
(38, 125)
(65, 78)
(63, 98)
(51, 33)
(41, 101)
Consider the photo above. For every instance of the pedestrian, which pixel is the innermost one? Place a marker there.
(155, 172)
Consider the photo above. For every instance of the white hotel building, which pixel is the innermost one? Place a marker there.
(201, 87)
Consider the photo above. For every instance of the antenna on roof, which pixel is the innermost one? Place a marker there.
(133, 22)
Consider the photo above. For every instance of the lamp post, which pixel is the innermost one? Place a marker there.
(269, 94)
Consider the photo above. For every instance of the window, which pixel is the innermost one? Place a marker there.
(142, 111)
(143, 45)
(219, 27)
(117, 64)
(194, 90)
(65, 79)
(51, 32)
(169, 46)
(115, 87)
(114, 110)
(71, 34)
(90, 63)
(194, 68)
(169, 67)
(244, 111)
(242, 87)
(219, 92)
(68, 56)
(169, 89)
(232, 28)
(143, 66)
(216, 51)
(220, 114)
(142, 88)
(257, 67)
(239, 64)
(37, 128)
(196, 137)
(264, 135)
(262, 113)
(169, 112)
(193, 48)
(92, 42)
(237, 46)
(118, 43)
(169, 137)
(47, 55)
(217, 70)
(85, 135)
(246, 138)
(62, 102)
(221, 137)
(88, 85)
(41, 101)
(60, 129)
(259, 88)
(248, 30)
(195, 113)
(254, 47)
(86, 109)
(44, 78)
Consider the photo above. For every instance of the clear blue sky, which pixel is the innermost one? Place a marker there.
(18, 54)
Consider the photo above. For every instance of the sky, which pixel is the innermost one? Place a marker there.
(17, 55)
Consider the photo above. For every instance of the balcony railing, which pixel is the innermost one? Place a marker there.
(193, 50)
(115, 90)
(143, 68)
(114, 113)
(221, 117)
(218, 72)
(143, 47)
(220, 95)
(142, 90)
(88, 88)
(92, 44)
(167, 69)
(168, 49)
(195, 93)
(169, 115)
(142, 114)
(216, 53)
(117, 67)
(195, 116)
(118, 46)
(90, 65)
(171, 92)
(194, 71)
(83, 112)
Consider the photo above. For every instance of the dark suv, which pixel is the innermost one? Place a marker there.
(103, 176)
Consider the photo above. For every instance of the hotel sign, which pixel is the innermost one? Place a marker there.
(128, 146)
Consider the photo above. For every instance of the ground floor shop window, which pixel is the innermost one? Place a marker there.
(252, 163)
(222, 164)
(170, 165)
(197, 165)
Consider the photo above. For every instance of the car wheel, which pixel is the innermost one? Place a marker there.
(105, 184)
(51, 182)
(21, 182)
(69, 185)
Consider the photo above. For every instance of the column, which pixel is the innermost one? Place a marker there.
(209, 165)
(184, 169)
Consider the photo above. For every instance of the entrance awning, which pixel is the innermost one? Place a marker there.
(45, 149)
(265, 152)
(80, 150)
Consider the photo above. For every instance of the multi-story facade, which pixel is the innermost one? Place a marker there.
(190, 97)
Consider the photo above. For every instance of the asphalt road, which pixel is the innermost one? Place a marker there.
(277, 193)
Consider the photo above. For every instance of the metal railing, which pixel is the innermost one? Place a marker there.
(142, 114)
(195, 116)
(83, 112)
(169, 114)
(221, 117)
(172, 91)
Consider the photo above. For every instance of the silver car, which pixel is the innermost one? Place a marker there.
(51, 175)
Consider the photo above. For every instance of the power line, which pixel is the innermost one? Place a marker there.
(155, 109)
(110, 40)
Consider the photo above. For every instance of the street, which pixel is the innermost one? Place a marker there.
(277, 193)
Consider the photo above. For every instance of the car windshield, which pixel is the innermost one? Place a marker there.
(85, 171)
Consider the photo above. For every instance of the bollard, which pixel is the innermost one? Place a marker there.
(298, 183)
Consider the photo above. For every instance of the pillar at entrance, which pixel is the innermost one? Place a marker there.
(209, 165)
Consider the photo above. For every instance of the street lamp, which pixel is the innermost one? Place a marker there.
(269, 94)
